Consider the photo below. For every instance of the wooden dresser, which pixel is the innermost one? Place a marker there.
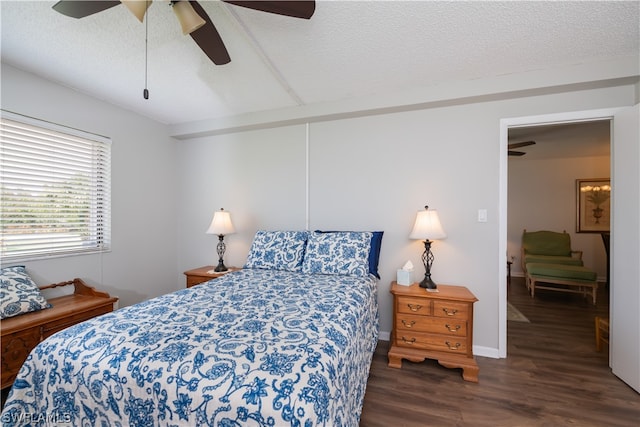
(201, 274)
(20, 334)
(433, 325)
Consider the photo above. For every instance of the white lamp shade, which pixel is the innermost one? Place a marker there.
(137, 7)
(221, 223)
(427, 226)
(188, 18)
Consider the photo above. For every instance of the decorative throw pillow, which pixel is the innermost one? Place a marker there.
(341, 253)
(374, 251)
(18, 293)
(277, 250)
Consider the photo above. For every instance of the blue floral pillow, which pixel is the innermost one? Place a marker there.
(277, 250)
(18, 293)
(374, 251)
(341, 253)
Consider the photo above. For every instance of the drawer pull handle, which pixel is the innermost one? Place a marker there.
(450, 312)
(453, 347)
(452, 328)
(414, 307)
(411, 341)
(408, 324)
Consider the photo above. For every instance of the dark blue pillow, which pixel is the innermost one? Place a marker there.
(374, 251)
(374, 254)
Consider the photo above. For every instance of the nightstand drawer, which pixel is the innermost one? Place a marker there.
(419, 306)
(451, 309)
(439, 325)
(434, 342)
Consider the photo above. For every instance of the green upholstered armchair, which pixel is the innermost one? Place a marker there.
(548, 247)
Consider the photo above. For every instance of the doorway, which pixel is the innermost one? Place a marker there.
(542, 184)
(625, 177)
(542, 195)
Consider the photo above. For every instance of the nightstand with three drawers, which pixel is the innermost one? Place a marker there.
(433, 325)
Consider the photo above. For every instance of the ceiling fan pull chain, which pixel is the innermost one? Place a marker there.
(145, 92)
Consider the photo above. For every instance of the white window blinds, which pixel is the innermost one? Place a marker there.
(55, 190)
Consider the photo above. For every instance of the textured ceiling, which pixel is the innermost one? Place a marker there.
(348, 49)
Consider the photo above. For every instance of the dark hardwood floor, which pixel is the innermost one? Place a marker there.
(552, 376)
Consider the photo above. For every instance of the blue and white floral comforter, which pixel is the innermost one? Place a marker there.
(254, 348)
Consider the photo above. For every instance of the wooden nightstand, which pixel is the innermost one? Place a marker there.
(433, 325)
(200, 275)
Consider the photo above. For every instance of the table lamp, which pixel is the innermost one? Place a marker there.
(427, 227)
(221, 225)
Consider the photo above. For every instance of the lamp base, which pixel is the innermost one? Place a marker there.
(427, 283)
(427, 260)
(220, 249)
(220, 267)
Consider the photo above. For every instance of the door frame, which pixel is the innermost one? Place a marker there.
(530, 121)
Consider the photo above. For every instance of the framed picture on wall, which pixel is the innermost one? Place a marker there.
(593, 200)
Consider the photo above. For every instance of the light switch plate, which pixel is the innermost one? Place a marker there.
(482, 215)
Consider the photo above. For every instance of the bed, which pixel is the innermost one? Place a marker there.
(287, 341)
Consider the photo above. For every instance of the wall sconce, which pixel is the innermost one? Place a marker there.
(221, 225)
(427, 227)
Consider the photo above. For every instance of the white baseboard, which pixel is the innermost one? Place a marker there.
(486, 352)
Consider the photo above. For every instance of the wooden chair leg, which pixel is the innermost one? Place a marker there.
(602, 332)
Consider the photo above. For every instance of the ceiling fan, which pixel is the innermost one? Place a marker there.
(511, 152)
(193, 19)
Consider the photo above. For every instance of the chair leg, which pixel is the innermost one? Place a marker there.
(602, 332)
(532, 287)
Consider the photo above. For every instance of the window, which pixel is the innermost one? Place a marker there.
(55, 190)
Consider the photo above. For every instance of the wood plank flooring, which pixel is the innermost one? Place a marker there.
(552, 376)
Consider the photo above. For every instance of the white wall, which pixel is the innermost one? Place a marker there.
(142, 263)
(364, 173)
(376, 172)
(257, 176)
(542, 196)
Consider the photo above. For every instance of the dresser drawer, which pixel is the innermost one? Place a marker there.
(434, 342)
(451, 309)
(15, 349)
(58, 325)
(408, 305)
(439, 325)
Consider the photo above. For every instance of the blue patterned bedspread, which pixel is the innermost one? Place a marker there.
(253, 348)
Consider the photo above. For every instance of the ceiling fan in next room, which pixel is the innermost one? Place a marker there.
(193, 19)
(511, 152)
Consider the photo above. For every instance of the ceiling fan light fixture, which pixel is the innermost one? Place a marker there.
(137, 7)
(188, 18)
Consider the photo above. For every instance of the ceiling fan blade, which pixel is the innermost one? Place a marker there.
(521, 144)
(208, 38)
(516, 153)
(295, 9)
(80, 9)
